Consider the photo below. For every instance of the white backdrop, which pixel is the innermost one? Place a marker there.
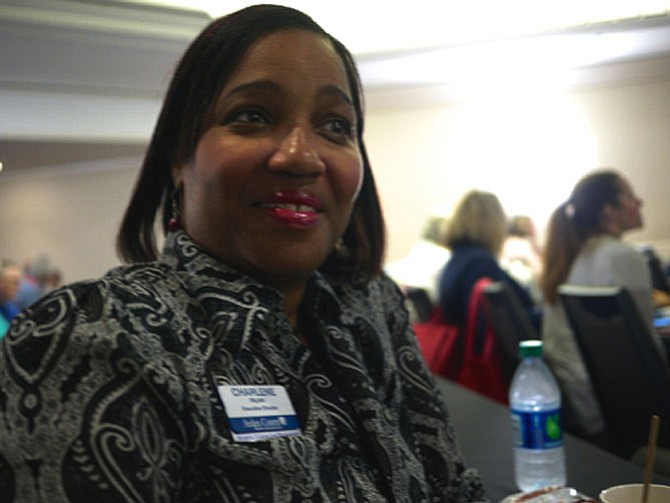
(529, 149)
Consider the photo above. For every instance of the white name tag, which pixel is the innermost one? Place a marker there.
(259, 412)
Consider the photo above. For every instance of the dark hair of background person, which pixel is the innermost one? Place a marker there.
(187, 113)
(572, 223)
(478, 219)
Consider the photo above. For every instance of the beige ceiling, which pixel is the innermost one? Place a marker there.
(64, 62)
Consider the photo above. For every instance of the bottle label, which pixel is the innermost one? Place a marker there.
(537, 430)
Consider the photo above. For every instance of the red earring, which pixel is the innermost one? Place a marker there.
(174, 223)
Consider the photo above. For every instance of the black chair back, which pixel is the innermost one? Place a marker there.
(659, 278)
(509, 321)
(421, 303)
(629, 376)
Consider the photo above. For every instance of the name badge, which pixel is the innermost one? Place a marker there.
(259, 412)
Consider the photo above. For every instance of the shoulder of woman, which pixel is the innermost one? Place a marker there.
(88, 301)
(621, 250)
(42, 334)
(389, 290)
(65, 302)
(374, 297)
(85, 317)
(381, 286)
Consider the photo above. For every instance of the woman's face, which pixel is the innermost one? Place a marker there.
(273, 180)
(627, 216)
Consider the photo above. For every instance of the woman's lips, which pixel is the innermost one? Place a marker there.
(293, 209)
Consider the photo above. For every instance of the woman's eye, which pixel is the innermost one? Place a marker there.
(252, 116)
(248, 116)
(338, 126)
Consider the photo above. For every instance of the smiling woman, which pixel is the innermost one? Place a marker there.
(262, 355)
(273, 181)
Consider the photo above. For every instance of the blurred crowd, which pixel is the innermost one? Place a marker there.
(21, 286)
(583, 245)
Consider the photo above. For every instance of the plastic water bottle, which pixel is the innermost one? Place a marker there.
(535, 403)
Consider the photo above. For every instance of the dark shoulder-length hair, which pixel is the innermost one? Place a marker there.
(199, 77)
(574, 222)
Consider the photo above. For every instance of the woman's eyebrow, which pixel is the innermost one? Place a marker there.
(255, 85)
(333, 90)
(270, 85)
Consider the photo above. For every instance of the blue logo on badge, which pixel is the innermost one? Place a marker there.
(264, 423)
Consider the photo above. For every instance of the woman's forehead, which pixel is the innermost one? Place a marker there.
(295, 51)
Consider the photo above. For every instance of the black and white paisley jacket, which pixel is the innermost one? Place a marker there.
(108, 393)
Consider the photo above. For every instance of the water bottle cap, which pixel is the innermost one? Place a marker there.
(530, 348)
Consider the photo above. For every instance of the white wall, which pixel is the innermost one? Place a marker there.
(528, 149)
(69, 212)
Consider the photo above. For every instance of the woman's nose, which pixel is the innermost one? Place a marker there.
(297, 154)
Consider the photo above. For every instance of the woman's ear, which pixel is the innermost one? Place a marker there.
(608, 221)
(177, 175)
(608, 212)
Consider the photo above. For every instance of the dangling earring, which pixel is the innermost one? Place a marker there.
(174, 223)
(341, 248)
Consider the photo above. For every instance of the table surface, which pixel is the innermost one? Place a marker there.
(483, 432)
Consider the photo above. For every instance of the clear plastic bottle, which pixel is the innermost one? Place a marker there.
(535, 406)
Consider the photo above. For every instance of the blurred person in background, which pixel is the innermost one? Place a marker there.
(659, 280)
(54, 279)
(36, 280)
(419, 270)
(521, 255)
(475, 236)
(10, 277)
(584, 246)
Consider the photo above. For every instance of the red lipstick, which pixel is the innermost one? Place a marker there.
(293, 208)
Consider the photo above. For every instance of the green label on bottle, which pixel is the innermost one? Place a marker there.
(537, 430)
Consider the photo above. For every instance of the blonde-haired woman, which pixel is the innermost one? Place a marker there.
(475, 237)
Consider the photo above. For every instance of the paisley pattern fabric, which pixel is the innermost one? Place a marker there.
(108, 393)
